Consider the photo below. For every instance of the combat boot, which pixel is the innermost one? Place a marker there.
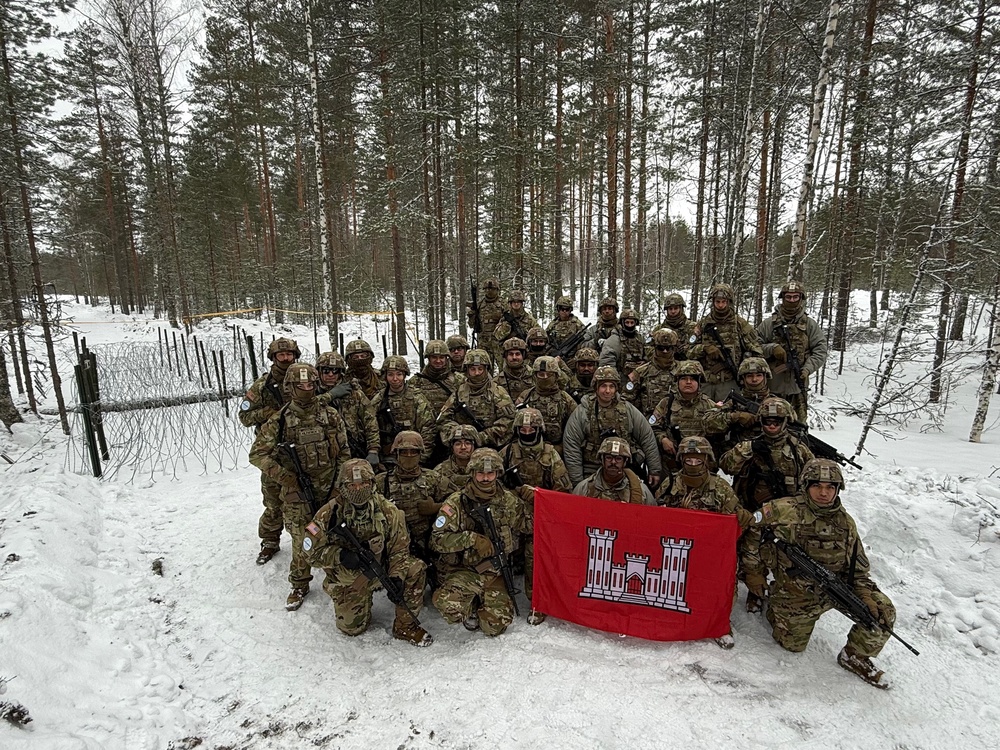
(267, 551)
(295, 598)
(862, 666)
(726, 641)
(754, 603)
(535, 617)
(411, 633)
(471, 622)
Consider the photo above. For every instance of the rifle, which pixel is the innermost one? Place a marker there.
(477, 324)
(836, 589)
(819, 448)
(484, 515)
(515, 326)
(775, 479)
(305, 481)
(568, 346)
(791, 356)
(387, 427)
(372, 568)
(463, 408)
(727, 358)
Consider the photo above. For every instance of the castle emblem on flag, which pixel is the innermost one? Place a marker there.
(635, 582)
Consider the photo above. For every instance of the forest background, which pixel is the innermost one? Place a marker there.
(311, 158)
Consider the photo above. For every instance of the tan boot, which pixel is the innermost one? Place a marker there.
(411, 633)
(267, 551)
(862, 666)
(295, 598)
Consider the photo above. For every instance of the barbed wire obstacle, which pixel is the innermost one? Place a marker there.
(167, 408)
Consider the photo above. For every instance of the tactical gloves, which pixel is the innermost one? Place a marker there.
(482, 545)
(778, 353)
(742, 418)
(350, 559)
(427, 507)
(713, 352)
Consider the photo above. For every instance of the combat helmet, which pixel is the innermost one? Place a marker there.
(457, 342)
(545, 364)
(696, 445)
(408, 440)
(516, 295)
(283, 345)
(395, 362)
(772, 406)
(664, 337)
(529, 417)
(355, 470)
(358, 346)
(512, 344)
(793, 286)
(673, 300)
(300, 372)
(564, 301)
(485, 459)
(606, 374)
(331, 360)
(435, 348)
(463, 432)
(609, 302)
(821, 470)
(754, 364)
(690, 367)
(614, 446)
(478, 357)
(721, 289)
(587, 354)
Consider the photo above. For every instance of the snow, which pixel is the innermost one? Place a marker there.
(105, 653)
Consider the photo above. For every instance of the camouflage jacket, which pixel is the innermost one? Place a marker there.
(740, 339)
(648, 384)
(560, 330)
(435, 388)
(690, 417)
(489, 403)
(484, 319)
(359, 419)
(808, 341)
(515, 383)
(320, 440)
(538, 466)
(263, 399)
(453, 529)
(762, 467)
(630, 489)
(406, 492)
(556, 409)
(406, 410)
(715, 496)
(504, 330)
(624, 353)
(370, 382)
(452, 474)
(603, 331)
(685, 329)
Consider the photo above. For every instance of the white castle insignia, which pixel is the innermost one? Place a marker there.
(635, 582)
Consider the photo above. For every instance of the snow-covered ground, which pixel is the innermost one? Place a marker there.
(106, 653)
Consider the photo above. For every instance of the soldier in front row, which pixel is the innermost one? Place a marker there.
(816, 520)
(263, 400)
(612, 480)
(472, 589)
(381, 527)
(315, 432)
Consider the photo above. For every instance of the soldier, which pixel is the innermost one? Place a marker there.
(315, 432)
(514, 377)
(399, 408)
(764, 468)
(565, 326)
(740, 422)
(345, 395)
(458, 347)
(612, 480)
(479, 402)
(455, 468)
(359, 357)
(472, 590)
(538, 345)
(381, 527)
(682, 413)
(695, 487)
(484, 318)
(583, 372)
(531, 462)
(791, 335)
(415, 491)
(607, 321)
(816, 520)
(436, 382)
(649, 383)
(601, 414)
(678, 322)
(721, 361)
(516, 321)
(263, 400)
(625, 348)
(554, 404)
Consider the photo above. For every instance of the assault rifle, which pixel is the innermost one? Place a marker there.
(387, 426)
(477, 324)
(515, 326)
(463, 408)
(836, 589)
(567, 347)
(774, 479)
(305, 481)
(484, 515)
(792, 360)
(253, 356)
(372, 568)
(820, 448)
(727, 358)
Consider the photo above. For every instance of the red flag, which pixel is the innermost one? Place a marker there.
(665, 574)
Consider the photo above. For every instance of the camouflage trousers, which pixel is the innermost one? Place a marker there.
(529, 565)
(752, 569)
(459, 590)
(297, 517)
(271, 523)
(794, 610)
(799, 402)
(352, 596)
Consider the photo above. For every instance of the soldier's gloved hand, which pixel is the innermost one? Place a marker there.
(866, 596)
(778, 353)
(428, 507)
(760, 447)
(742, 418)
(482, 545)
(372, 458)
(713, 352)
(288, 480)
(350, 559)
(343, 388)
(668, 445)
(395, 594)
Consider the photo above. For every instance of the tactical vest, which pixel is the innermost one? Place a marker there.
(752, 485)
(490, 314)
(602, 423)
(372, 529)
(730, 331)
(401, 415)
(797, 332)
(435, 390)
(827, 538)
(482, 403)
(533, 470)
(314, 440)
(554, 410)
(635, 495)
(601, 333)
(405, 495)
(654, 384)
(633, 353)
(515, 384)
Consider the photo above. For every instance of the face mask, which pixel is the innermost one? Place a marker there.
(694, 475)
(790, 311)
(357, 498)
(408, 463)
(302, 397)
(528, 440)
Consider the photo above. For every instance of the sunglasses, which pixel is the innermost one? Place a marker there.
(330, 371)
(772, 421)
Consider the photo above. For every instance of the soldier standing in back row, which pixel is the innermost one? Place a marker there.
(788, 336)
(436, 382)
(551, 401)
(359, 356)
(654, 380)
(725, 339)
(458, 347)
(345, 395)
(678, 322)
(263, 400)
(483, 318)
(607, 321)
(315, 432)
(515, 321)
(625, 348)
(565, 326)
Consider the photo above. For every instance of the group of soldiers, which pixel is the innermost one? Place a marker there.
(400, 481)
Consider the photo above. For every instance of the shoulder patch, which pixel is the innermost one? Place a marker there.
(440, 522)
(447, 510)
(652, 419)
(307, 543)
(313, 529)
(245, 405)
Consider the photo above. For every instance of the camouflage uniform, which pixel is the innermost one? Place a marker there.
(607, 322)
(354, 407)
(458, 344)
(484, 318)
(435, 386)
(678, 415)
(382, 528)
(406, 409)
(829, 536)
(627, 489)
(320, 440)
(679, 324)
(472, 589)
(652, 381)
(757, 465)
(579, 384)
(514, 323)
(559, 331)
(808, 341)
(262, 401)
(554, 404)
(452, 474)
(488, 402)
(362, 371)
(625, 348)
(740, 423)
(589, 424)
(740, 341)
(514, 379)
